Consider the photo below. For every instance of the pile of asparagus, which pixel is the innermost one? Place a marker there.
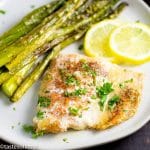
(27, 48)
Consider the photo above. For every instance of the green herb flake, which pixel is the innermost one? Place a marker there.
(68, 78)
(32, 6)
(90, 84)
(113, 101)
(40, 115)
(12, 127)
(88, 69)
(37, 134)
(129, 81)
(71, 80)
(86, 108)
(30, 129)
(80, 116)
(78, 92)
(65, 140)
(81, 47)
(44, 102)
(102, 102)
(93, 97)
(83, 60)
(137, 21)
(14, 109)
(67, 94)
(104, 80)
(102, 92)
(73, 111)
(125, 110)
(2, 12)
(19, 123)
(123, 85)
(105, 89)
(62, 72)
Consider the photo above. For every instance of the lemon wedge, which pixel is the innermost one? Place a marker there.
(131, 43)
(96, 42)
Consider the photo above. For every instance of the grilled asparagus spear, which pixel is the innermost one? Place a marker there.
(39, 36)
(28, 23)
(4, 76)
(10, 86)
(53, 33)
(14, 65)
(35, 75)
(87, 9)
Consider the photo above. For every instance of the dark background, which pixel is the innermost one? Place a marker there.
(138, 141)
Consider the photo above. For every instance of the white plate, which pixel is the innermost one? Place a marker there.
(25, 109)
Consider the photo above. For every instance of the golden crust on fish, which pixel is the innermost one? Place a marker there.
(79, 92)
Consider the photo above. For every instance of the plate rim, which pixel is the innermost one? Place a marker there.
(119, 137)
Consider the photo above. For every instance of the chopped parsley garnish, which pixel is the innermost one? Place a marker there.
(2, 12)
(30, 129)
(89, 102)
(14, 109)
(104, 80)
(65, 140)
(68, 78)
(113, 101)
(40, 115)
(88, 69)
(129, 81)
(32, 6)
(137, 21)
(105, 89)
(37, 134)
(125, 110)
(93, 97)
(73, 111)
(19, 123)
(102, 93)
(71, 80)
(80, 116)
(90, 84)
(67, 94)
(123, 85)
(78, 92)
(62, 72)
(81, 47)
(86, 108)
(102, 102)
(44, 102)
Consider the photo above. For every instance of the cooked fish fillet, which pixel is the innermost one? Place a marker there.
(79, 92)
